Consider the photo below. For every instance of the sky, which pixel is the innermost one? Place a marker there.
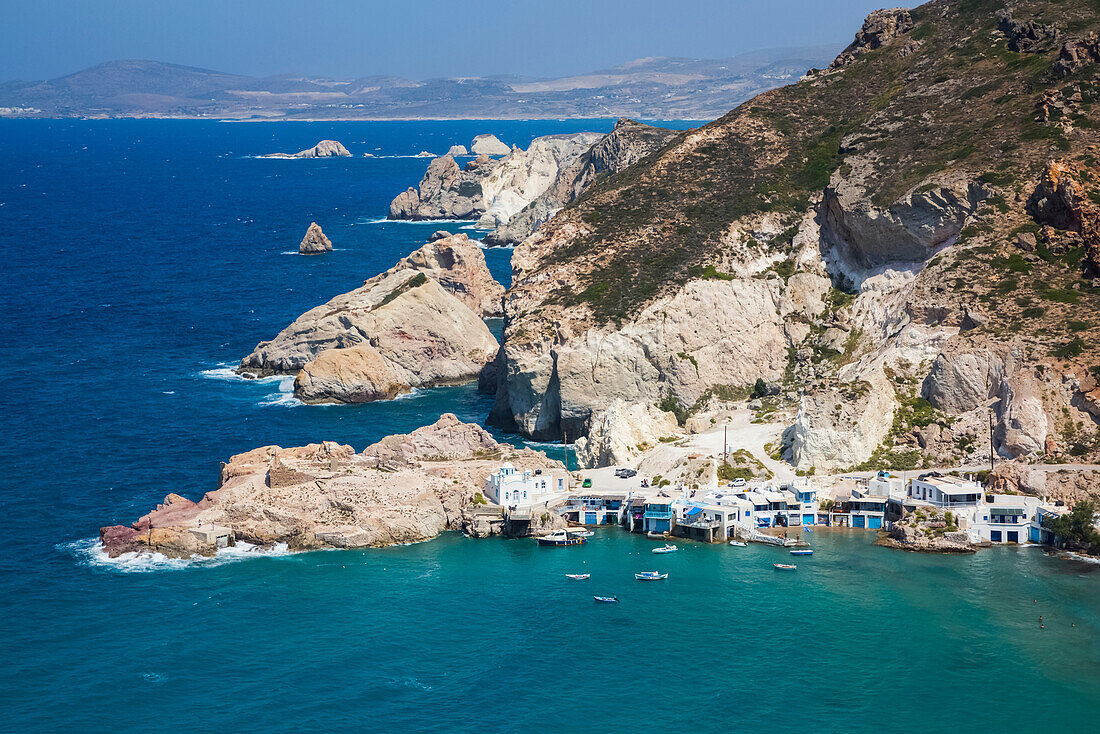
(42, 39)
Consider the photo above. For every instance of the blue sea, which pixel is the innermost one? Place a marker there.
(143, 259)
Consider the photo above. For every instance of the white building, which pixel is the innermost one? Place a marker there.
(946, 492)
(511, 488)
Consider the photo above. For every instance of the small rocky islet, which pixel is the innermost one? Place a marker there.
(903, 248)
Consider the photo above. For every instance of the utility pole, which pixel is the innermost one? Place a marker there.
(725, 445)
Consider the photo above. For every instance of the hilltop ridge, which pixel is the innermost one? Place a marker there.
(896, 241)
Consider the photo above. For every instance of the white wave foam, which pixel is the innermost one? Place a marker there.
(1083, 559)
(226, 371)
(421, 154)
(90, 552)
(285, 396)
(383, 220)
(411, 395)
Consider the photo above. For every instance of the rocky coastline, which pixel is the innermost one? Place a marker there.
(403, 489)
(419, 324)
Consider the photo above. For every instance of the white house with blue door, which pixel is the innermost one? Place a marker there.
(510, 487)
(946, 491)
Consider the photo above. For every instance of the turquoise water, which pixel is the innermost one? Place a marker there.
(143, 258)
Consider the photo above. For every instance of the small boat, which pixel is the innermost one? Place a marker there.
(607, 599)
(666, 549)
(738, 544)
(802, 552)
(785, 566)
(650, 576)
(561, 538)
(578, 576)
(582, 533)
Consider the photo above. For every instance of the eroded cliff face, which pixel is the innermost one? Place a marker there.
(487, 189)
(403, 489)
(863, 237)
(628, 143)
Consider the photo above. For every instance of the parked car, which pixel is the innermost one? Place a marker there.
(739, 482)
(626, 473)
(586, 483)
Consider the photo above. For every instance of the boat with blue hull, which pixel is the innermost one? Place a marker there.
(562, 538)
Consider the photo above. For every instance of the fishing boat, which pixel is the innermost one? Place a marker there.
(561, 537)
(607, 599)
(784, 566)
(738, 544)
(802, 552)
(666, 549)
(650, 576)
(578, 576)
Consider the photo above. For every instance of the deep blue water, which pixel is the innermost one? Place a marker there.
(140, 259)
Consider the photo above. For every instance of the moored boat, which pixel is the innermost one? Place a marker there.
(578, 576)
(738, 544)
(607, 599)
(802, 552)
(666, 549)
(561, 537)
(650, 576)
(785, 566)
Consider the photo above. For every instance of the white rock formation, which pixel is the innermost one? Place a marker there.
(492, 190)
(457, 150)
(488, 145)
(323, 149)
(621, 432)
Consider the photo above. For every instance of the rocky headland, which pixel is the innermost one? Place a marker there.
(487, 189)
(323, 149)
(403, 489)
(625, 145)
(412, 326)
(315, 242)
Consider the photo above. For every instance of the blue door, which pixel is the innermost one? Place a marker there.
(590, 518)
(857, 521)
(874, 522)
(995, 536)
(807, 519)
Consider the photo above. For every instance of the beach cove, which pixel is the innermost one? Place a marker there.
(124, 332)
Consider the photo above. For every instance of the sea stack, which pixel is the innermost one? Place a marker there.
(456, 150)
(315, 242)
(489, 145)
(325, 149)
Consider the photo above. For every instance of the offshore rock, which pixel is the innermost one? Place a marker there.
(458, 150)
(315, 241)
(403, 489)
(488, 145)
(323, 149)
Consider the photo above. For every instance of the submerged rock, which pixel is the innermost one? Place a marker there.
(315, 241)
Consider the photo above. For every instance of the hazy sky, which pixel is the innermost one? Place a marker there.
(413, 38)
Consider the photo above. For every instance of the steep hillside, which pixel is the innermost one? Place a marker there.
(884, 240)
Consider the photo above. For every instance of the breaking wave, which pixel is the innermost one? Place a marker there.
(88, 552)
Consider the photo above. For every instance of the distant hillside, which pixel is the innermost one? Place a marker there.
(650, 88)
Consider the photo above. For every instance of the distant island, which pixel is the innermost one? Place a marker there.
(652, 88)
